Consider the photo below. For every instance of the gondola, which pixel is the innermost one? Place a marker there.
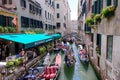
(69, 58)
(36, 72)
(53, 70)
(43, 71)
(83, 56)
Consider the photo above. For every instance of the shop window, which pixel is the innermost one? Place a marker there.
(109, 47)
(24, 22)
(31, 23)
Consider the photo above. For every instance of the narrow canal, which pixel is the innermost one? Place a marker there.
(78, 72)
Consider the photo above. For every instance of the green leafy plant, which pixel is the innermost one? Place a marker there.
(6, 29)
(42, 50)
(10, 64)
(97, 18)
(11, 29)
(108, 11)
(31, 31)
(1, 29)
(20, 59)
(16, 62)
(89, 21)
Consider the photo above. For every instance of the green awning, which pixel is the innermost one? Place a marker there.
(29, 40)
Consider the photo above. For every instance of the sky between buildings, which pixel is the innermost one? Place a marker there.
(74, 7)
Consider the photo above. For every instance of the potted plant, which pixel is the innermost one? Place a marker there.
(20, 60)
(89, 21)
(1, 29)
(97, 18)
(9, 64)
(6, 29)
(16, 62)
(108, 11)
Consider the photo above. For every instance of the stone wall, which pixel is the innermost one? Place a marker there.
(111, 26)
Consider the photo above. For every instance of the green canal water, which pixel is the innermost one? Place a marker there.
(77, 72)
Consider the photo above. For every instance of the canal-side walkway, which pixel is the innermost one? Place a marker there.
(79, 71)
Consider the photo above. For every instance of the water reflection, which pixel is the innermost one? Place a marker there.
(79, 71)
(69, 71)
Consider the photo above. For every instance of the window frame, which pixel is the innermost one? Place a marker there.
(108, 2)
(23, 3)
(10, 1)
(58, 24)
(58, 15)
(4, 2)
(109, 55)
(58, 6)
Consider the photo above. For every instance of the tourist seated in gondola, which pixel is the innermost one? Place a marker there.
(69, 59)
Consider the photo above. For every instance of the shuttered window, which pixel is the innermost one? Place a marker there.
(87, 29)
(10, 1)
(92, 8)
(115, 2)
(109, 47)
(23, 3)
(58, 15)
(95, 8)
(108, 3)
(4, 2)
(58, 6)
(101, 5)
(58, 25)
(98, 6)
(40, 12)
(98, 43)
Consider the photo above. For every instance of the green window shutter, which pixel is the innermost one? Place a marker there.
(95, 7)
(87, 29)
(108, 2)
(98, 6)
(101, 5)
(115, 2)
(0, 20)
(92, 8)
(92, 37)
